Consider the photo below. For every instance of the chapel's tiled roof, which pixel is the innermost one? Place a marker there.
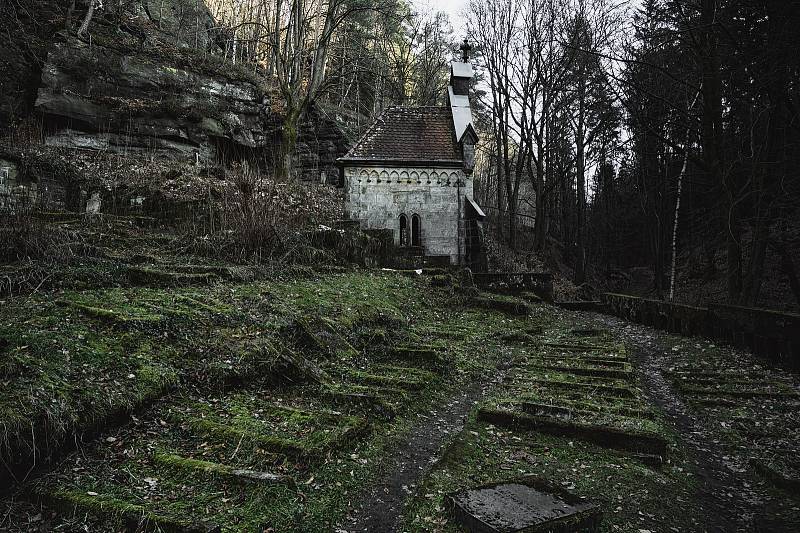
(408, 134)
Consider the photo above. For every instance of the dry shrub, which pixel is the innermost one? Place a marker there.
(254, 217)
(25, 236)
(260, 218)
(33, 251)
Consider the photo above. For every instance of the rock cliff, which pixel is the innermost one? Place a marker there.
(105, 97)
(145, 93)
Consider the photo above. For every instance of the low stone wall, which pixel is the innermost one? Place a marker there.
(770, 334)
(540, 284)
(676, 318)
(366, 248)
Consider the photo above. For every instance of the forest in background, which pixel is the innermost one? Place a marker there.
(638, 147)
(662, 136)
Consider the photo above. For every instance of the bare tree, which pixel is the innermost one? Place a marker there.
(494, 25)
(589, 39)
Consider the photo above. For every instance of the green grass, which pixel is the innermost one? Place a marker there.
(616, 480)
(274, 428)
(621, 486)
(77, 359)
(200, 369)
(196, 336)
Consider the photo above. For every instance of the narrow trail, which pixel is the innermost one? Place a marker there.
(382, 506)
(725, 493)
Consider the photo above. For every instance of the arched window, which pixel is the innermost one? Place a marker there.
(415, 231)
(403, 230)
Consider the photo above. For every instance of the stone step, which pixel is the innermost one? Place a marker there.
(587, 371)
(409, 251)
(157, 278)
(510, 305)
(587, 408)
(384, 401)
(605, 436)
(277, 429)
(434, 261)
(581, 305)
(525, 504)
(202, 467)
(595, 388)
(135, 516)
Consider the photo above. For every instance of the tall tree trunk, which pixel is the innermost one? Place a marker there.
(513, 194)
(712, 146)
(87, 19)
(321, 55)
(773, 166)
(70, 12)
(580, 175)
(685, 165)
(500, 201)
(788, 268)
(289, 134)
(752, 285)
(539, 222)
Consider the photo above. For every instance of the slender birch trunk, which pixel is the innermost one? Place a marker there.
(678, 199)
(87, 19)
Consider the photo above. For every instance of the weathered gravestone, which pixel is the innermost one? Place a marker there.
(524, 505)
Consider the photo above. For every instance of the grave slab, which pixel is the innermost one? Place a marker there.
(526, 505)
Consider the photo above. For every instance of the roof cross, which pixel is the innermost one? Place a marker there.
(466, 48)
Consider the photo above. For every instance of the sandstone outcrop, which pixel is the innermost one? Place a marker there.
(105, 98)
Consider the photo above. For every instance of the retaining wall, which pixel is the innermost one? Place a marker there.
(540, 284)
(770, 334)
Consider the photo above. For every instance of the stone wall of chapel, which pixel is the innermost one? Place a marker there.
(377, 196)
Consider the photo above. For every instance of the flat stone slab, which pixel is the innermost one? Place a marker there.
(525, 505)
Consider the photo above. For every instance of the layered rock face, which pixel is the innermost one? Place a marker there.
(143, 92)
(26, 27)
(321, 141)
(101, 98)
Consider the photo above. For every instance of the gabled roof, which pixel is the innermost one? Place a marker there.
(409, 134)
(462, 114)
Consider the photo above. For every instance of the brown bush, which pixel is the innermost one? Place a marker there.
(25, 236)
(259, 218)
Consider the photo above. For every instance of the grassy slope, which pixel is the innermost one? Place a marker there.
(199, 369)
(74, 359)
(621, 485)
(632, 495)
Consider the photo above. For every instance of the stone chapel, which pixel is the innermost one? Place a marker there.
(411, 172)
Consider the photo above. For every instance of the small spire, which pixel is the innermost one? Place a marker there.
(466, 48)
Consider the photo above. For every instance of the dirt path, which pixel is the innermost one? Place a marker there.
(382, 505)
(725, 493)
